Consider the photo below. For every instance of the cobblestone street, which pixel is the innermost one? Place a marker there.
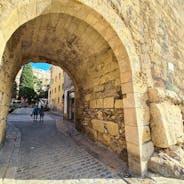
(44, 155)
(48, 156)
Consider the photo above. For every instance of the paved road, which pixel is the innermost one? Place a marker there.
(47, 156)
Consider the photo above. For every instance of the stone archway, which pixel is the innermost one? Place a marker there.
(101, 18)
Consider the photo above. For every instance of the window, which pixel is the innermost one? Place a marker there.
(59, 88)
(55, 90)
(59, 75)
(58, 99)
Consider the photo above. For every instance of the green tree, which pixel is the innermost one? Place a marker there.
(26, 87)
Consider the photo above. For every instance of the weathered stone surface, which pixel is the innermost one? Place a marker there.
(157, 95)
(132, 134)
(147, 150)
(176, 152)
(109, 102)
(146, 134)
(93, 133)
(99, 103)
(98, 51)
(166, 166)
(107, 138)
(118, 104)
(93, 104)
(98, 125)
(166, 124)
(112, 128)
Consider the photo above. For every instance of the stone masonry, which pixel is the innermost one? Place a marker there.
(114, 51)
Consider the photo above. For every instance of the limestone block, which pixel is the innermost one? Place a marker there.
(132, 134)
(91, 18)
(109, 102)
(112, 128)
(93, 133)
(115, 42)
(25, 13)
(93, 104)
(133, 157)
(127, 88)
(101, 138)
(130, 116)
(147, 150)
(107, 138)
(98, 88)
(87, 97)
(118, 104)
(41, 6)
(166, 166)
(156, 94)
(122, 55)
(176, 152)
(137, 116)
(99, 103)
(166, 124)
(100, 115)
(98, 125)
(126, 77)
(146, 136)
(133, 149)
(129, 101)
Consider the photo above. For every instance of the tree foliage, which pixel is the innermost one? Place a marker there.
(26, 87)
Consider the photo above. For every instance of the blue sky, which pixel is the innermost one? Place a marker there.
(43, 66)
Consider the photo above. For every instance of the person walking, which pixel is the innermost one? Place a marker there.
(41, 112)
(35, 112)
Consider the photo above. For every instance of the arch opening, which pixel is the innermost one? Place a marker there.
(89, 61)
(92, 51)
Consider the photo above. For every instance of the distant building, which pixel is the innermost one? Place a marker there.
(61, 93)
(56, 91)
(69, 98)
(42, 76)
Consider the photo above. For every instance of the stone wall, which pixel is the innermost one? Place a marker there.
(166, 118)
(167, 132)
(146, 38)
(157, 31)
(100, 107)
(95, 73)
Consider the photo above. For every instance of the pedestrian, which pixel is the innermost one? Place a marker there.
(41, 112)
(35, 112)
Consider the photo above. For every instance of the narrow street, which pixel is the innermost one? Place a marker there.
(47, 155)
(42, 154)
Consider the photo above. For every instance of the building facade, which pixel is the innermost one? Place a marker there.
(43, 79)
(55, 95)
(69, 98)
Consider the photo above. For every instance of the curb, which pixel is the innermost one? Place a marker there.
(9, 155)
